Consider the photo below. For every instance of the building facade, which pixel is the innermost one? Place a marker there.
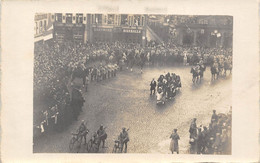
(206, 31)
(69, 27)
(117, 27)
(81, 27)
(43, 27)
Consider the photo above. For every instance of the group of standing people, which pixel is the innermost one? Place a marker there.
(167, 86)
(214, 139)
(220, 65)
(99, 137)
(55, 107)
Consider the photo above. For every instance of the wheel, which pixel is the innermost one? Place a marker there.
(114, 149)
(96, 148)
(71, 145)
(79, 144)
(89, 146)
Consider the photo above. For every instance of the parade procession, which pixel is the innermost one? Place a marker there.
(132, 83)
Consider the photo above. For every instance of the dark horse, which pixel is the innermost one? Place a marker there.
(201, 71)
(227, 66)
(195, 74)
(80, 73)
(214, 72)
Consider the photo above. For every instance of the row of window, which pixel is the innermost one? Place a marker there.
(68, 18)
(111, 19)
(40, 26)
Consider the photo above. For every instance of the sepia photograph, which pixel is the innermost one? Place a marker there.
(129, 81)
(132, 83)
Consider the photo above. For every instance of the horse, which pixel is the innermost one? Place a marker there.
(195, 75)
(227, 66)
(201, 71)
(221, 67)
(80, 73)
(214, 72)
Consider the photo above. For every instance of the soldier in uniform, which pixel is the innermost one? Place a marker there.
(102, 135)
(193, 128)
(153, 86)
(83, 131)
(86, 83)
(214, 117)
(199, 141)
(124, 138)
(205, 139)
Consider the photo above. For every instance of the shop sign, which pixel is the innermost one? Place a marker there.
(40, 17)
(117, 29)
(103, 29)
(78, 25)
(131, 31)
(78, 36)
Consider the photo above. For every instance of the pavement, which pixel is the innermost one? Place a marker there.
(125, 101)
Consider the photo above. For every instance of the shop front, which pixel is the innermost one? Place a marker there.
(69, 32)
(128, 35)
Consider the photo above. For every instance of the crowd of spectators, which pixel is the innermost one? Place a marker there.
(54, 64)
(214, 138)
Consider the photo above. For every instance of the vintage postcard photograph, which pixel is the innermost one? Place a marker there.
(129, 81)
(132, 83)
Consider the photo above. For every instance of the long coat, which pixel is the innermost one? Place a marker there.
(174, 146)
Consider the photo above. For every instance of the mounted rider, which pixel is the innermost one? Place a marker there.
(102, 135)
(196, 69)
(124, 139)
(152, 86)
(216, 66)
(202, 68)
(83, 131)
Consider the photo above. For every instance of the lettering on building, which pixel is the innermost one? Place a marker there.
(40, 17)
(103, 29)
(131, 31)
